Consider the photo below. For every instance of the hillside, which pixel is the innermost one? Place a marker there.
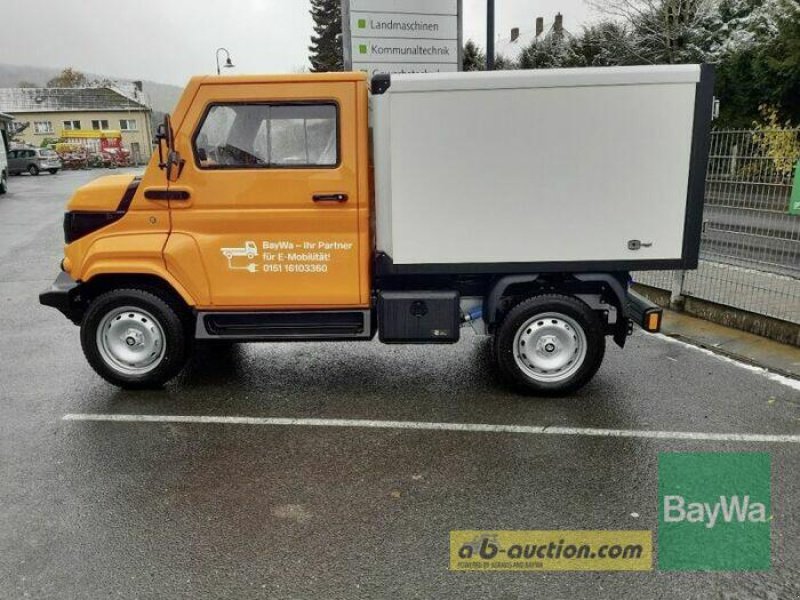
(162, 96)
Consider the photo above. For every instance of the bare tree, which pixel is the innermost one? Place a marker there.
(660, 31)
(69, 78)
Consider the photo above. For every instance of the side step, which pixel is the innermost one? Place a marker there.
(285, 326)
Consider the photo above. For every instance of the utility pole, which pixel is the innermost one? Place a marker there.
(490, 35)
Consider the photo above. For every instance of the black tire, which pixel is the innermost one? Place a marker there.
(33, 170)
(3, 183)
(52, 171)
(565, 313)
(175, 347)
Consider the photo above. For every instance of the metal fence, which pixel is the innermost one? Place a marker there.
(750, 246)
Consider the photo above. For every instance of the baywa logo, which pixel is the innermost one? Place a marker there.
(714, 511)
(729, 509)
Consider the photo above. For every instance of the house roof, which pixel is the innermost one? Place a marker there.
(28, 100)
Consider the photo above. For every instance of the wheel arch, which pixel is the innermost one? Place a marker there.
(612, 286)
(168, 290)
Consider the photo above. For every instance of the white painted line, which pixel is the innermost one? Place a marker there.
(782, 379)
(460, 427)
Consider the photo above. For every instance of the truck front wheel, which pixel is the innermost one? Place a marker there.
(550, 345)
(134, 339)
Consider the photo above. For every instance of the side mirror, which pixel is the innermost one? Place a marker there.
(174, 165)
(161, 137)
(166, 136)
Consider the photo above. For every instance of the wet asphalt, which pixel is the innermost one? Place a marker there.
(154, 510)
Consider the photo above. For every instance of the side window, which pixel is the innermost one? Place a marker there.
(268, 136)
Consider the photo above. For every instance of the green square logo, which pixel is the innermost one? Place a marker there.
(714, 511)
(362, 48)
(362, 23)
(794, 201)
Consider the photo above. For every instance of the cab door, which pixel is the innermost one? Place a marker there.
(266, 213)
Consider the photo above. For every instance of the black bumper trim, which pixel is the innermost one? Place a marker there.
(640, 309)
(61, 295)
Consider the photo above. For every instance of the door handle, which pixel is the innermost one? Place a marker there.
(330, 197)
(638, 244)
(174, 194)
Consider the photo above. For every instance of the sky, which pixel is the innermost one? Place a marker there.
(168, 41)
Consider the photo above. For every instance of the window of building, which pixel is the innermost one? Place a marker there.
(268, 136)
(42, 127)
(99, 124)
(70, 125)
(127, 124)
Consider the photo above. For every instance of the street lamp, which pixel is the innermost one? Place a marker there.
(228, 64)
(490, 35)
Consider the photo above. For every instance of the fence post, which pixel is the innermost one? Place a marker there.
(676, 298)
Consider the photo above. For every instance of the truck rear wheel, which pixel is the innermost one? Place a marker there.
(134, 339)
(550, 345)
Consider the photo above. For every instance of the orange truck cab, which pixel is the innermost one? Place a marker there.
(304, 207)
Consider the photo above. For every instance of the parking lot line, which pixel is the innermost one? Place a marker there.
(429, 426)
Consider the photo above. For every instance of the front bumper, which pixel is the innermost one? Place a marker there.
(63, 295)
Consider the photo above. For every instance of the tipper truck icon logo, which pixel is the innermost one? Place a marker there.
(249, 250)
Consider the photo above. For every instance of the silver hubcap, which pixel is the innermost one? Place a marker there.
(131, 340)
(550, 347)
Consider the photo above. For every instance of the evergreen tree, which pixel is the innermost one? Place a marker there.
(782, 55)
(605, 44)
(326, 44)
(552, 52)
(473, 57)
(763, 69)
(501, 63)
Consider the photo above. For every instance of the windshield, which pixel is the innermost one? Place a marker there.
(48, 153)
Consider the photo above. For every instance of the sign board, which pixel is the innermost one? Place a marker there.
(794, 201)
(402, 36)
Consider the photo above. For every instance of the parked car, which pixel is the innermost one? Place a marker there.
(3, 167)
(34, 161)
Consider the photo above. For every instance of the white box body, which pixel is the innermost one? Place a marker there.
(558, 169)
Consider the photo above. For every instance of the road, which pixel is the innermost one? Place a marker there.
(272, 509)
(748, 225)
(750, 238)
